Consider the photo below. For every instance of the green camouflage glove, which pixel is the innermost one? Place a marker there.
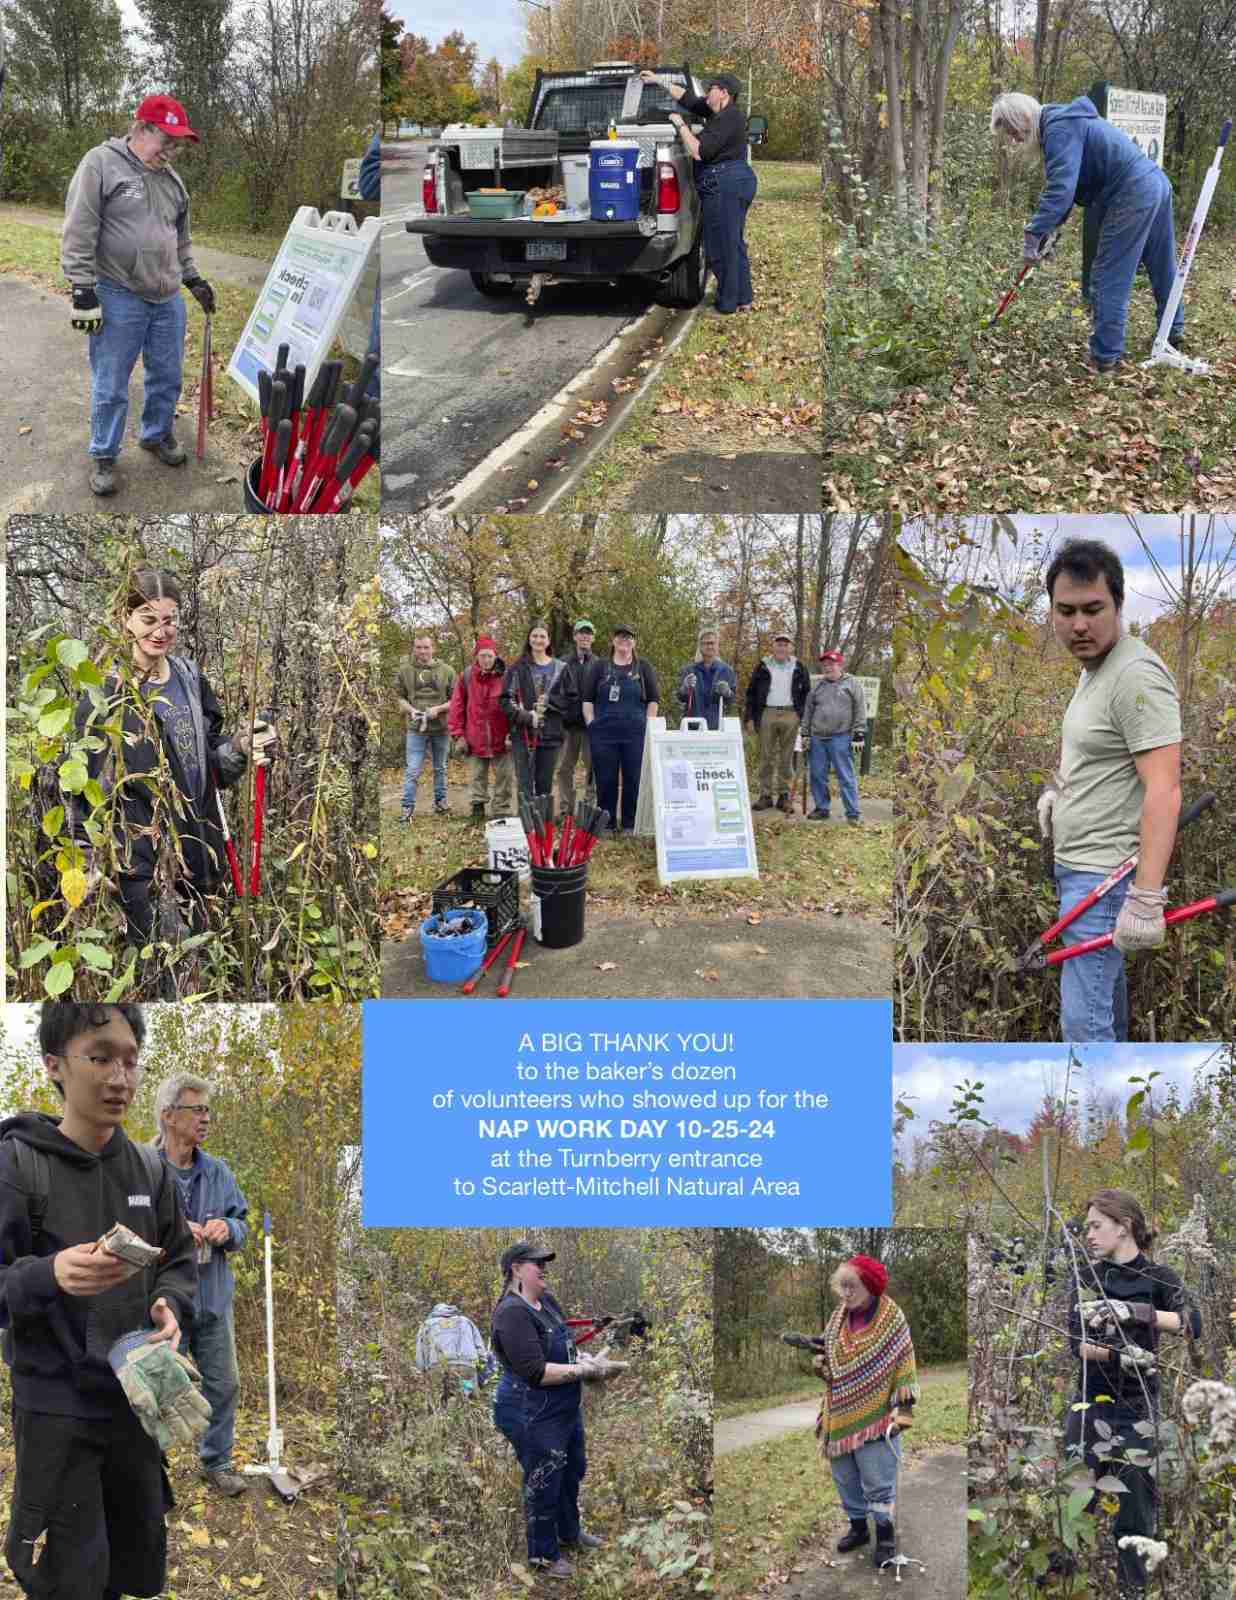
(161, 1386)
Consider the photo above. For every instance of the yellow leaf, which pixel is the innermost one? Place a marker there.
(36, 911)
(370, 851)
(73, 886)
(199, 1538)
(254, 1582)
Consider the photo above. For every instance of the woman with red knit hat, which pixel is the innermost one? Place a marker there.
(870, 1386)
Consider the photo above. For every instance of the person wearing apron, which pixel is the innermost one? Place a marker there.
(619, 695)
(538, 1406)
(724, 180)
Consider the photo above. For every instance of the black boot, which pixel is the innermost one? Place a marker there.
(886, 1542)
(478, 811)
(857, 1536)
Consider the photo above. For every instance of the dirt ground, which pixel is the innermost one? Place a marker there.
(753, 480)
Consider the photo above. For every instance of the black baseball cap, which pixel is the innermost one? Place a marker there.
(726, 81)
(623, 628)
(523, 1251)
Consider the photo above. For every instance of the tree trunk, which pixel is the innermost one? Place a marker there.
(918, 113)
(890, 30)
(939, 105)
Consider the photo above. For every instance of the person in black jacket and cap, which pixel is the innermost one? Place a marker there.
(181, 732)
(538, 1405)
(91, 1491)
(1123, 1301)
(724, 181)
(532, 698)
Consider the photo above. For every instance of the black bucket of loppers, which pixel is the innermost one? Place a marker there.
(558, 895)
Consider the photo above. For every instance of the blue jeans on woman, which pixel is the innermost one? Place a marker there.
(866, 1479)
(134, 327)
(547, 1433)
(726, 190)
(835, 750)
(1134, 228)
(618, 747)
(1094, 1001)
(420, 744)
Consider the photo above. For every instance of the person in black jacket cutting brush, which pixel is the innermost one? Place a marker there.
(1122, 1302)
(91, 1490)
(725, 182)
(538, 1405)
(180, 734)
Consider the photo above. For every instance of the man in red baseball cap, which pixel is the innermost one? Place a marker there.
(126, 251)
(834, 716)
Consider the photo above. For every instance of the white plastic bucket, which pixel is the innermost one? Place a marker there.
(508, 847)
(575, 171)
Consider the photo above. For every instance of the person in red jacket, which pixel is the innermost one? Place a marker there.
(479, 728)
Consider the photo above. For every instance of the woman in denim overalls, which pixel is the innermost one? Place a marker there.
(538, 1408)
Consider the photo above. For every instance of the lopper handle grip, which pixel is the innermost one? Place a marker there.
(1225, 133)
(1201, 804)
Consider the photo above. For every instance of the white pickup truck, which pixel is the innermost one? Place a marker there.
(569, 110)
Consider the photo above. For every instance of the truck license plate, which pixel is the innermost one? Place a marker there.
(545, 250)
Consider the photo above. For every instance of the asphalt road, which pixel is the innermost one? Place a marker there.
(461, 372)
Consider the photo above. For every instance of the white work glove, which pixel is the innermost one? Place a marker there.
(263, 742)
(798, 744)
(690, 680)
(419, 721)
(1109, 1313)
(1033, 246)
(162, 1387)
(594, 1369)
(1134, 1357)
(538, 717)
(723, 690)
(648, 76)
(1140, 925)
(1046, 807)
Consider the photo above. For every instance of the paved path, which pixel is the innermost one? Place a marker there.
(211, 263)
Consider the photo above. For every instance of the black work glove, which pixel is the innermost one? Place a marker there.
(202, 293)
(87, 313)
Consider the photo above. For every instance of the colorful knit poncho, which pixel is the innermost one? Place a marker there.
(870, 1372)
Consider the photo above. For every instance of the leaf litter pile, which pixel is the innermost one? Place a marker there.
(1019, 420)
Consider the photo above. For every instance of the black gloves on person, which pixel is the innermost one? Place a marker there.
(202, 293)
(87, 313)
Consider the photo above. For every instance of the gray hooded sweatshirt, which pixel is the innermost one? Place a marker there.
(834, 708)
(126, 223)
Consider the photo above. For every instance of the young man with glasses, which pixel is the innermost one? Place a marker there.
(126, 251)
(216, 1211)
(91, 1491)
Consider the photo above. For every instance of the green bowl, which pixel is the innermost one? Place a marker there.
(496, 205)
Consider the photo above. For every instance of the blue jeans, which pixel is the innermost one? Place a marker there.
(134, 327)
(418, 744)
(1134, 229)
(837, 751)
(726, 191)
(551, 1452)
(866, 1479)
(1094, 1002)
(618, 747)
(212, 1344)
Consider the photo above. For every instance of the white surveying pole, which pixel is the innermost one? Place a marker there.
(1162, 352)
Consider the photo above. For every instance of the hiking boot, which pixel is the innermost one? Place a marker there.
(818, 816)
(886, 1543)
(169, 450)
(586, 1541)
(103, 475)
(784, 804)
(1181, 344)
(405, 816)
(224, 1480)
(561, 1568)
(1101, 369)
(854, 821)
(764, 803)
(477, 814)
(441, 810)
(858, 1535)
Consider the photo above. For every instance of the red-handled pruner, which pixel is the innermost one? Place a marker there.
(1035, 957)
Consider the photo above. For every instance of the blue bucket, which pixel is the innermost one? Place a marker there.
(613, 180)
(453, 960)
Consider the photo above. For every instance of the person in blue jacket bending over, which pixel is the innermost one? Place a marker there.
(1090, 162)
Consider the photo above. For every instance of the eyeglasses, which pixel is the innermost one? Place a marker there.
(198, 1111)
(129, 1065)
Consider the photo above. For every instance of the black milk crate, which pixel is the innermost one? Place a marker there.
(493, 890)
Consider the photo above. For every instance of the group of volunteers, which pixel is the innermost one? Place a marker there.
(113, 1261)
(537, 718)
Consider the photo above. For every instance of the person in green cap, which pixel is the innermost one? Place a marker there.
(575, 741)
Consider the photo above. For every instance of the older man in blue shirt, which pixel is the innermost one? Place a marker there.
(215, 1210)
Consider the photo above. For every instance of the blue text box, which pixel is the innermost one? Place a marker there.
(792, 1124)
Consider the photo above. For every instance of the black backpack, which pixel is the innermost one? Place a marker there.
(34, 1179)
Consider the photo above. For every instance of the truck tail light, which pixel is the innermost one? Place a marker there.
(429, 192)
(668, 198)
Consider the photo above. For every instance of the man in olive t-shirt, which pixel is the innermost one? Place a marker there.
(1117, 790)
(424, 695)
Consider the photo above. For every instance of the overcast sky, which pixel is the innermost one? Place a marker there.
(496, 27)
(1017, 1076)
(1144, 593)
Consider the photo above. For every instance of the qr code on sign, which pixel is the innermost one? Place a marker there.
(318, 296)
(680, 779)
